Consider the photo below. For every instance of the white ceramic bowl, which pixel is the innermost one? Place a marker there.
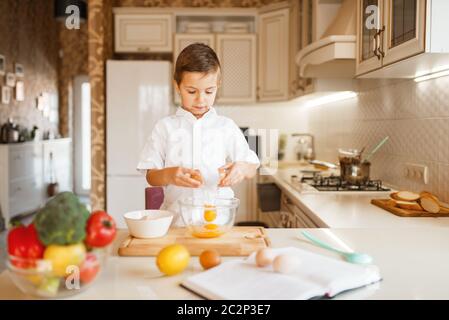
(148, 223)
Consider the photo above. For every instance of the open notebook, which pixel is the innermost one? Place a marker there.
(316, 276)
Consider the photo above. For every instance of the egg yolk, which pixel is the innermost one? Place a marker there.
(211, 230)
(211, 226)
(210, 215)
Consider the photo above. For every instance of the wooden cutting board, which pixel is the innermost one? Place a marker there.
(383, 203)
(239, 241)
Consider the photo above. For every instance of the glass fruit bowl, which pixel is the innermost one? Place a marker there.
(59, 277)
(206, 218)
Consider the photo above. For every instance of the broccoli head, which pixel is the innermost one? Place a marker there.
(62, 220)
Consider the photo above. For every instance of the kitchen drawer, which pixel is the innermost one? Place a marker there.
(297, 218)
(300, 222)
(25, 195)
(25, 161)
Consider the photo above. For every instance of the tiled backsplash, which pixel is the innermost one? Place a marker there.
(414, 115)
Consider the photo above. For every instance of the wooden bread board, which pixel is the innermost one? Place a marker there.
(239, 241)
(383, 203)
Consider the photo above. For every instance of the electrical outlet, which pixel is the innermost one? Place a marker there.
(417, 172)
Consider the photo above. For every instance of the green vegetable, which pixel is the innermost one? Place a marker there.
(62, 220)
(49, 287)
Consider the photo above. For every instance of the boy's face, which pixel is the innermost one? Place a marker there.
(198, 91)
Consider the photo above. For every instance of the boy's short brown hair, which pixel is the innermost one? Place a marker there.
(197, 57)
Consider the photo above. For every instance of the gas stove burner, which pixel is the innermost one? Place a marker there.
(335, 183)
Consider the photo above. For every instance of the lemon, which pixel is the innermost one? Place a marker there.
(173, 259)
(61, 257)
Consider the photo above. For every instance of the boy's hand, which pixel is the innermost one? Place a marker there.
(184, 177)
(232, 173)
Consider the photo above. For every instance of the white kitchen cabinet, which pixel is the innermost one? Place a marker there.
(273, 78)
(368, 58)
(25, 173)
(61, 150)
(182, 40)
(405, 29)
(237, 54)
(143, 32)
(400, 32)
(401, 38)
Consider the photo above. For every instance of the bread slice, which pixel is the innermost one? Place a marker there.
(429, 204)
(391, 203)
(407, 196)
(428, 194)
(409, 205)
(394, 196)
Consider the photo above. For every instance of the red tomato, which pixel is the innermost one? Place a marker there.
(89, 268)
(23, 242)
(100, 229)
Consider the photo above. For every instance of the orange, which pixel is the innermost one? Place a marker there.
(173, 259)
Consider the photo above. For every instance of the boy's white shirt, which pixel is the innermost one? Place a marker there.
(206, 144)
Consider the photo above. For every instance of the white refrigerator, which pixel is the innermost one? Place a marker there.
(138, 93)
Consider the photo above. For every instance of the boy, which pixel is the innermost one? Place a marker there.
(194, 147)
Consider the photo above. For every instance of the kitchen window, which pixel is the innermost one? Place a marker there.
(82, 135)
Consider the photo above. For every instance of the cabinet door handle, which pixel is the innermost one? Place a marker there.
(375, 46)
(143, 49)
(379, 34)
(378, 44)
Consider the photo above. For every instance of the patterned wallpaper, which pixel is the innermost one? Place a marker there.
(27, 36)
(100, 48)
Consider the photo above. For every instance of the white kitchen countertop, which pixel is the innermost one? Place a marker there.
(348, 209)
(413, 263)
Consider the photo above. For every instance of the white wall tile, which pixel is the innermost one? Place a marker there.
(442, 132)
(443, 182)
(413, 115)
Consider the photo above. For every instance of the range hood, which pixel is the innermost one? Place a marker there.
(333, 56)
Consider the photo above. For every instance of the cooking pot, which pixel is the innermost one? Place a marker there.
(353, 170)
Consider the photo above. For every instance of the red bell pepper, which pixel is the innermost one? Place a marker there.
(23, 242)
(89, 268)
(100, 229)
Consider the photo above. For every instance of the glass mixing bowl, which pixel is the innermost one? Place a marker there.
(206, 218)
(42, 278)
